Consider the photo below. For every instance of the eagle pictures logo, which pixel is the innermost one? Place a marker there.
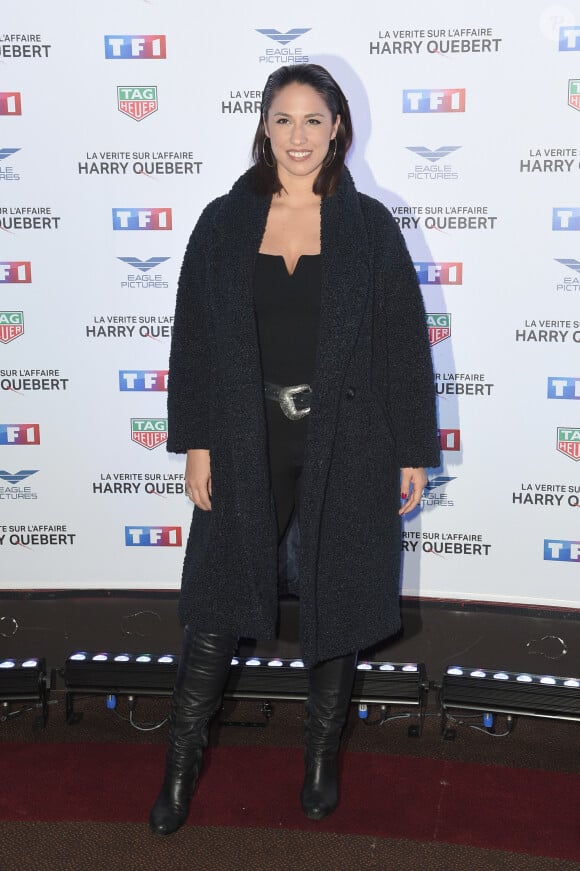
(285, 50)
(137, 101)
(16, 477)
(7, 173)
(433, 155)
(280, 37)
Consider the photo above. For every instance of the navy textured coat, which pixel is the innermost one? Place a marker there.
(372, 412)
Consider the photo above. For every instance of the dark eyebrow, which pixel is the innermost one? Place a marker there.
(311, 115)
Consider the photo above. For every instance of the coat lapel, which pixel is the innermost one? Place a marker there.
(345, 290)
(346, 273)
(240, 225)
(345, 287)
(238, 231)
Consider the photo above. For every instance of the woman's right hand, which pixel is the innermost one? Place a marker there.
(198, 478)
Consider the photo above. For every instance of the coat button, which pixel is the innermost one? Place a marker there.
(350, 393)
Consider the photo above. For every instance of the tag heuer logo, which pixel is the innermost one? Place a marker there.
(149, 432)
(574, 93)
(439, 326)
(137, 101)
(11, 326)
(569, 442)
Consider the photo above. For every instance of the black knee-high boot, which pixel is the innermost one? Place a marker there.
(201, 677)
(329, 695)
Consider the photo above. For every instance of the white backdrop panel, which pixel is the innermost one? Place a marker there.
(467, 126)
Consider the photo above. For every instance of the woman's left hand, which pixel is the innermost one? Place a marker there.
(413, 483)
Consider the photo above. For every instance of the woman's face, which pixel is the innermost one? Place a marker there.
(300, 128)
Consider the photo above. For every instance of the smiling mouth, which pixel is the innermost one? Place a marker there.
(299, 155)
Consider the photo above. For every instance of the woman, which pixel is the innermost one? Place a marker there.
(301, 389)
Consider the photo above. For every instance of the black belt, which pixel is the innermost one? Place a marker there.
(294, 401)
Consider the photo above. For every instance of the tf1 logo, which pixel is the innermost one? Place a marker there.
(562, 551)
(563, 388)
(15, 272)
(439, 273)
(564, 218)
(153, 536)
(129, 47)
(142, 219)
(430, 100)
(569, 38)
(450, 439)
(19, 434)
(143, 380)
(10, 103)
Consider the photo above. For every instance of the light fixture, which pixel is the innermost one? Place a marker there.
(381, 683)
(509, 692)
(24, 680)
(251, 677)
(130, 674)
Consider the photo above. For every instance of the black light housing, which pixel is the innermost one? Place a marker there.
(24, 680)
(261, 678)
(130, 674)
(509, 692)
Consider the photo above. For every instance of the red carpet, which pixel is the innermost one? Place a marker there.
(462, 803)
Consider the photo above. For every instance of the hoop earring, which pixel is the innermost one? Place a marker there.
(270, 165)
(326, 163)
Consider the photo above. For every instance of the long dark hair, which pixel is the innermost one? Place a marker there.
(265, 178)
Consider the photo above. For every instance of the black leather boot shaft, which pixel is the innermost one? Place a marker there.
(329, 693)
(201, 677)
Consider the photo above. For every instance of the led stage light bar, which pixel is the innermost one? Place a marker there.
(250, 678)
(510, 692)
(24, 680)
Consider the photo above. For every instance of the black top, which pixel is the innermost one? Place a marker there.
(287, 315)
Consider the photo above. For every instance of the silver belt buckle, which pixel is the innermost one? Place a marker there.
(286, 400)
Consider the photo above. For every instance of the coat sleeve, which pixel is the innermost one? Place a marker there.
(408, 382)
(189, 382)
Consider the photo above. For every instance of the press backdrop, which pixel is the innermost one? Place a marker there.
(120, 121)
